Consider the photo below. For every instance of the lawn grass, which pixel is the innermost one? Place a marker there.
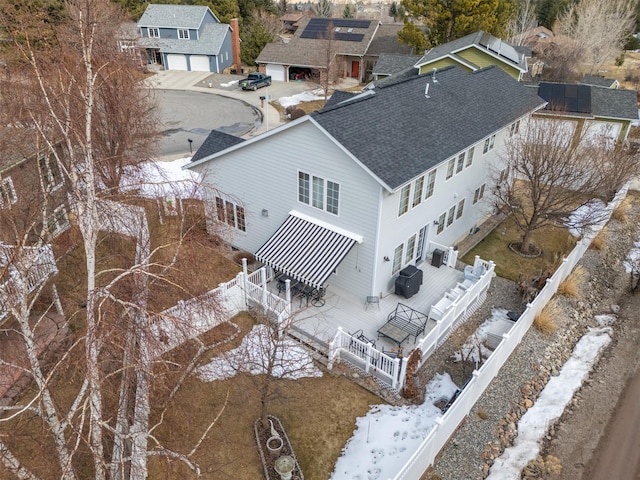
(556, 243)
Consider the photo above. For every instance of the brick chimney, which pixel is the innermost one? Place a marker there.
(235, 43)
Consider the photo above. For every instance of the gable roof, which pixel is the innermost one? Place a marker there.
(209, 43)
(174, 16)
(215, 142)
(398, 133)
(303, 48)
(600, 81)
(589, 100)
(386, 41)
(388, 64)
(481, 41)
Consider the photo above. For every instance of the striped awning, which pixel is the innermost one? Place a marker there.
(306, 249)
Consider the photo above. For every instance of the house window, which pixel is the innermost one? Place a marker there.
(417, 192)
(441, 220)
(404, 200)
(504, 175)
(450, 167)
(154, 32)
(58, 221)
(333, 193)
(318, 193)
(7, 193)
(183, 33)
(397, 259)
(50, 172)
(231, 214)
(515, 128)
(311, 190)
(488, 144)
(411, 247)
(478, 194)
(451, 216)
(470, 157)
(220, 209)
(460, 209)
(431, 183)
(460, 164)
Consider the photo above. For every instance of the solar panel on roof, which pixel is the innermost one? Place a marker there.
(499, 47)
(572, 98)
(318, 28)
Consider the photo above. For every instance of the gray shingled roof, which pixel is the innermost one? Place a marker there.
(603, 102)
(388, 64)
(210, 41)
(215, 142)
(598, 81)
(398, 133)
(386, 41)
(477, 40)
(173, 16)
(307, 52)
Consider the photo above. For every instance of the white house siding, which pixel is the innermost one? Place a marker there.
(264, 176)
(597, 132)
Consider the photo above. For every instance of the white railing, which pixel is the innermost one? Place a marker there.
(366, 357)
(446, 425)
(255, 287)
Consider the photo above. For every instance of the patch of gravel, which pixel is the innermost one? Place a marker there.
(491, 424)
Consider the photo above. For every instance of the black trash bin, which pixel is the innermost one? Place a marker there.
(408, 281)
(437, 258)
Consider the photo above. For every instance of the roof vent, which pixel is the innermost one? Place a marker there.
(426, 90)
(434, 70)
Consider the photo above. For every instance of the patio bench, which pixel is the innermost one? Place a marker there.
(402, 323)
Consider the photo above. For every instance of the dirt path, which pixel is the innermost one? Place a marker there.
(598, 437)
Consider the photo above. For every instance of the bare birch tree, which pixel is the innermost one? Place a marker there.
(549, 171)
(326, 59)
(522, 21)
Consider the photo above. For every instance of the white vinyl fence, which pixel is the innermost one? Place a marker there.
(424, 457)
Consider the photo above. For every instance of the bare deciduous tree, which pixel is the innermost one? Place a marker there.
(326, 59)
(549, 171)
(523, 20)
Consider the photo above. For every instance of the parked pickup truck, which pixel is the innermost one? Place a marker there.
(254, 81)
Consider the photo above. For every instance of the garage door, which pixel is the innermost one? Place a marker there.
(199, 63)
(276, 72)
(176, 62)
(602, 133)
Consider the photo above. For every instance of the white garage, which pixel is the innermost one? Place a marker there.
(199, 63)
(276, 72)
(176, 62)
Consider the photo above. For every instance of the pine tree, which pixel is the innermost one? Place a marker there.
(324, 8)
(347, 12)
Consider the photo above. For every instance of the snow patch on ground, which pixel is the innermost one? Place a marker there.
(162, 180)
(387, 436)
(308, 96)
(229, 84)
(549, 406)
(585, 216)
(474, 349)
(632, 257)
(290, 360)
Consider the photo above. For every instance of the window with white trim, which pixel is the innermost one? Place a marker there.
(153, 32)
(7, 193)
(470, 157)
(230, 213)
(319, 193)
(488, 144)
(460, 164)
(451, 216)
(441, 221)
(417, 192)
(431, 183)
(450, 167)
(183, 33)
(478, 194)
(404, 200)
(504, 175)
(460, 209)
(58, 221)
(411, 248)
(397, 259)
(50, 172)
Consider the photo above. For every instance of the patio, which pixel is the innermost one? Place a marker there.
(353, 314)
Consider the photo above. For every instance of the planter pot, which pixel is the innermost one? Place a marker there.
(274, 445)
(284, 467)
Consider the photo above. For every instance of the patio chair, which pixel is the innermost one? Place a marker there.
(371, 301)
(359, 335)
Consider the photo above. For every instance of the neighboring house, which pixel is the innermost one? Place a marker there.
(290, 21)
(600, 81)
(537, 35)
(24, 173)
(320, 43)
(390, 64)
(596, 113)
(187, 37)
(371, 183)
(476, 51)
(385, 42)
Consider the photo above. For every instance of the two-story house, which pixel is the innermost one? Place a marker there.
(372, 182)
(187, 37)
